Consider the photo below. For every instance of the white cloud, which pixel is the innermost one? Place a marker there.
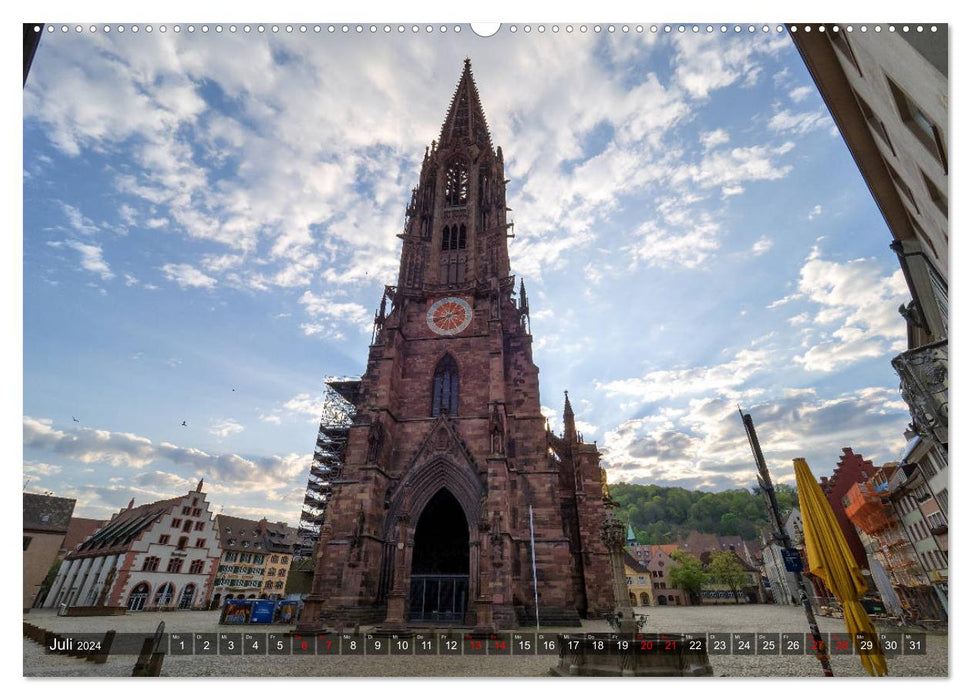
(814, 212)
(91, 257)
(856, 314)
(305, 405)
(186, 276)
(800, 93)
(709, 62)
(128, 451)
(723, 379)
(710, 139)
(225, 427)
(41, 469)
(704, 444)
(79, 223)
(687, 245)
(330, 317)
(800, 122)
(763, 245)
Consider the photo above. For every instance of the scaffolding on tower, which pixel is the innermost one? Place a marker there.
(326, 466)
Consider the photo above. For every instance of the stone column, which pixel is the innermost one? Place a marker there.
(398, 597)
(612, 535)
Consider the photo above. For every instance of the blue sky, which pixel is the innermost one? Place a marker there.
(209, 220)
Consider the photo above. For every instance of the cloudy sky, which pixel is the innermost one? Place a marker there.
(210, 218)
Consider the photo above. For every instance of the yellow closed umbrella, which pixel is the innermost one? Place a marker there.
(831, 560)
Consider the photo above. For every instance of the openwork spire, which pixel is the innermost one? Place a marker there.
(465, 122)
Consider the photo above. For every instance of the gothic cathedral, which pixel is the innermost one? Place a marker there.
(450, 470)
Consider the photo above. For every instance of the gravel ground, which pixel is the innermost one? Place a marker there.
(727, 618)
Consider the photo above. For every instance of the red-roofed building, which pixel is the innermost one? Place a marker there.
(656, 560)
(78, 530)
(156, 556)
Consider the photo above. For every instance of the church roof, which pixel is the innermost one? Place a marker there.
(465, 121)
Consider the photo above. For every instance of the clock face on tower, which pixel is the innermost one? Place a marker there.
(449, 316)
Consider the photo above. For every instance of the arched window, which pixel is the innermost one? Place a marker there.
(164, 595)
(136, 601)
(187, 597)
(456, 185)
(445, 389)
(453, 238)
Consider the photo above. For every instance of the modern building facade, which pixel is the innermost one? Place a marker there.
(450, 472)
(888, 94)
(157, 556)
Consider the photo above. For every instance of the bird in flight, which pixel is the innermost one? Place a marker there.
(184, 425)
(75, 419)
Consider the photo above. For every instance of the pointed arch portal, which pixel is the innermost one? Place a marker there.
(440, 561)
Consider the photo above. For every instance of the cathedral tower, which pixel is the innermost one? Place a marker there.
(448, 449)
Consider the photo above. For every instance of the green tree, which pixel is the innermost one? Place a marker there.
(687, 574)
(725, 568)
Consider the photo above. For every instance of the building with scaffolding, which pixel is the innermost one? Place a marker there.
(880, 509)
(327, 463)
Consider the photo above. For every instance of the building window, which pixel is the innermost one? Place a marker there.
(196, 512)
(274, 559)
(175, 566)
(902, 186)
(230, 556)
(187, 527)
(136, 600)
(188, 595)
(177, 522)
(283, 560)
(453, 238)
(196, 566)
(875, 123)
(150, 564)
(200, 525)
(456, 185)
(920, 125)
(938, 197)
(201, 543)
(445, 389)
(841, 42)
(183, 542)
(186, 510)
(163, 539)
(165, 594)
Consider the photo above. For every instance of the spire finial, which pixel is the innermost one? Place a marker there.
(199, 487)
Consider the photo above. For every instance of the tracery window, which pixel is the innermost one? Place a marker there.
(445, 389)
(453, 237)
(456, 185)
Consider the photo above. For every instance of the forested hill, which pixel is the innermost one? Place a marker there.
(661, 515)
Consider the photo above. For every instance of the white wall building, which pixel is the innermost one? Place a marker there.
(160, 555)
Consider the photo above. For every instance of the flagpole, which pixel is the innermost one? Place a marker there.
(782, 537)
